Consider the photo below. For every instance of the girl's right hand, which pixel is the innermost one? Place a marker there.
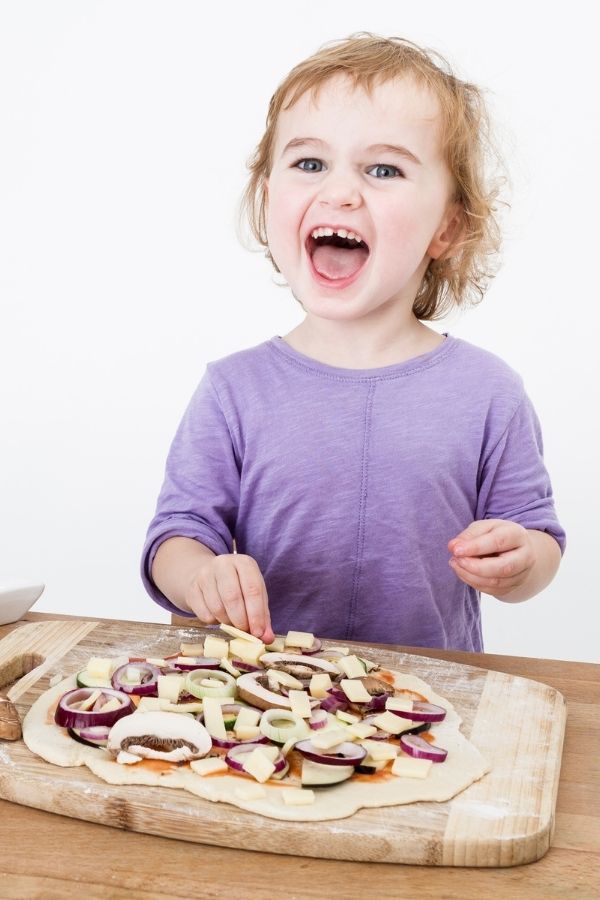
(230, 589)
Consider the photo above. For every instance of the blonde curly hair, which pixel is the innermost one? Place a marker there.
(461, 275)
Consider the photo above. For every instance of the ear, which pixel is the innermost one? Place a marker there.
(450, 231)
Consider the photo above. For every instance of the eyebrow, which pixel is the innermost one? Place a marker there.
(377, 148)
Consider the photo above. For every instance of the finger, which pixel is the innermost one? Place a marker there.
(507, 565)
(487, 585)
(500, 538)
(474, 530)
(255, 597)
(197, 604)
(231, 594)
(494, 586)
(212, 598)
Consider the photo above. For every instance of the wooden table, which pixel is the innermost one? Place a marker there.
(48, 856)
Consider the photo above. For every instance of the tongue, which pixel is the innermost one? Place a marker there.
(338, 262)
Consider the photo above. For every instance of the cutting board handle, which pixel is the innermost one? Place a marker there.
(32, 649)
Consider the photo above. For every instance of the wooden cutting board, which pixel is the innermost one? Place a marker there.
(505, 819)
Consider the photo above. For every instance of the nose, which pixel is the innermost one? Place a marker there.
(339, 190)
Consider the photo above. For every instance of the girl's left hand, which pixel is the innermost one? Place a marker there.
(493, 556)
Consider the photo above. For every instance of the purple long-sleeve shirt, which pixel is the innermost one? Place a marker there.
(345, 485)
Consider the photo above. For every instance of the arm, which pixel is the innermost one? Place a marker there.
(176, 561)
(504, 559)
(227, 588)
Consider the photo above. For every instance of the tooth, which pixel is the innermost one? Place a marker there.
(328, 232)
(342, 232)
(352, 237)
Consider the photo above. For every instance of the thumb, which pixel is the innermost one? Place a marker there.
(475, 529)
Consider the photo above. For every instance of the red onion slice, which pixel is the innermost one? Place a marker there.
(332, 704)
(149, 672)
(98, 733)
(235, 758)
(228, 743)
(316, 646)
(422, 712)
(319, 719)
(69, 716)
(350, 754)
(200, 662)
(375, 704)
(245, 666)
(420, 749)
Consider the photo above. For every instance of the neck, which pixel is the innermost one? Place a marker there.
(354, 345)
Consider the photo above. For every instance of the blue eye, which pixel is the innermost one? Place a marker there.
(386, 166)
(297, 164)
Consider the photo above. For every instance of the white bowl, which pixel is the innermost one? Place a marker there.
(17, 595)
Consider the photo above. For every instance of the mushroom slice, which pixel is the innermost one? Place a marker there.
(375, 686)
(302, 667)
(159, 735)
(252, 688)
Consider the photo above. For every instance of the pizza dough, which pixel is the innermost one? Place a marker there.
(463, 765)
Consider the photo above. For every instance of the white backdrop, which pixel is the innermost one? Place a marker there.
(125, 130)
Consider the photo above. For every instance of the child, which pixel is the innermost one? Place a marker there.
(374, 474)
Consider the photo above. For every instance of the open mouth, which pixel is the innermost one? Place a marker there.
(337, 259)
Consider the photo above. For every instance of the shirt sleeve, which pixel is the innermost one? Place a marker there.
(199, 497)
(514, 482)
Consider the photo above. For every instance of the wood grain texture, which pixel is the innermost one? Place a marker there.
(505, 819)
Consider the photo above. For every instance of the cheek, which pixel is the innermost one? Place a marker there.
(284, 215)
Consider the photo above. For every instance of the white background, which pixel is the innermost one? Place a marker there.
(125, 130)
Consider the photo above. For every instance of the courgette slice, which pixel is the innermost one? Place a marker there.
(84, 679)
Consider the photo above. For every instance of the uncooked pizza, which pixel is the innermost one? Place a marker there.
(294, 730)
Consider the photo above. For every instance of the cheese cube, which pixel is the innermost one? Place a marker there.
(409, 767)
(229, 667)
(216, 646)
(300, 639)
(387, 721)
(285, 679)
(329, 739)
(347, 717)
(247, 732)
(377, 764)
(192, 649)
(100, 668)
(248, 651)
(355, 690)
(361, 730)
(213, 718)
(300, 704)
(269, 751)
(258, 765)
(297, 796)
(402, 704)
(209, 765)
(133, 674)
(351, 666)
(319, 685)
(90, 700)
(379, 750)
(247, 716)
(115, 703)
(277, 646)
(170, 687)
(157, 661)
(250, 792)
(237, 633)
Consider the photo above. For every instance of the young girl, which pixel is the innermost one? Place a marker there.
(374, 474)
